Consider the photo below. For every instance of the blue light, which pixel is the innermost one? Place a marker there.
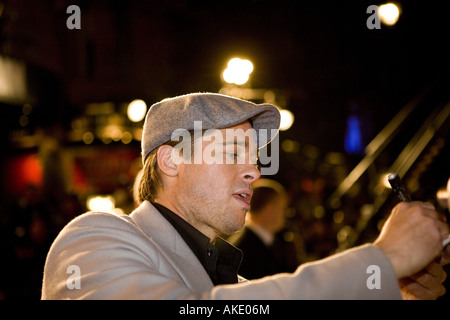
(353, 138)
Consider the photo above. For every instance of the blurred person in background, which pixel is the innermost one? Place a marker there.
(265, 251)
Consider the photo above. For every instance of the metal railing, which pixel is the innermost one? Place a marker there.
(418, 123)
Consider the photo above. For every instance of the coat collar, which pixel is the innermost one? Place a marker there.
(172, 246)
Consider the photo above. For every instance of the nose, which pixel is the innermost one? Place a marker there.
(251, 174)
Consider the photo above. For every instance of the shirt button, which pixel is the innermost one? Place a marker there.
(209, 252)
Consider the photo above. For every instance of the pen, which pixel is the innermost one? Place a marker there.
(399, 188)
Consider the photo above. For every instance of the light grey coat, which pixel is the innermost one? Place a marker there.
(141, 256)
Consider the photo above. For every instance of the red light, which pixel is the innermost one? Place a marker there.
(23, 171)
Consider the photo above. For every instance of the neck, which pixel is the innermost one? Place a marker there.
(210, 233)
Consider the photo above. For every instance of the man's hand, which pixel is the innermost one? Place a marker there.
(424, 285)
(412, 237)
(445, 257)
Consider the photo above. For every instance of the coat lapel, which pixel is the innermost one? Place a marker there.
(172, 246)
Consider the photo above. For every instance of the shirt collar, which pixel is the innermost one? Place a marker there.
(221, 261)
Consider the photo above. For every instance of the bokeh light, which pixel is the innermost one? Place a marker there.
(287, 119)
(389, 14)
(137, 110)
(238, 71)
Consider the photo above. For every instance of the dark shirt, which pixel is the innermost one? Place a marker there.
(221, 261)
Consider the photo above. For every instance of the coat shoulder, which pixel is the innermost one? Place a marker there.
(99, 229)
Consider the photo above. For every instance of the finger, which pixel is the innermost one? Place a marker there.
(436, 227)
(422, 208)
(427, 205)
(437, 271)
(432, 276)
(425, 280)
(443, 229)
(413, 290)
(439, 225)
(427, 209)
(445, 257)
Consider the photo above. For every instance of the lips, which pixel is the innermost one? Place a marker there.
(244, 196)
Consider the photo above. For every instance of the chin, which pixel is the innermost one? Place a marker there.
(235, 226)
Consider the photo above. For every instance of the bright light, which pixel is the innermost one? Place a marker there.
(101, 203)
(136, 110)
(385, 182)
(388, 14)
(443, 196)
(287, 119)
(238, 71)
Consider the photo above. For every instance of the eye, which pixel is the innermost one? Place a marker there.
(231, 152)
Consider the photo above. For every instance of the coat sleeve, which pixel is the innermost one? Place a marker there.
(101, 256)
(347, 275)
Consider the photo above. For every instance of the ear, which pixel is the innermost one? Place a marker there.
(165, 162)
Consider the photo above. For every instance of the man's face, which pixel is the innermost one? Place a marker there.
(214, 196)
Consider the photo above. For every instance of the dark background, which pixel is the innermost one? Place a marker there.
(320, 58)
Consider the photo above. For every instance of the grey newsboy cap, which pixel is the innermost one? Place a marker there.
(216, 111)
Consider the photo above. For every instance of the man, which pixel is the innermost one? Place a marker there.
(265, 253)
(194, 190)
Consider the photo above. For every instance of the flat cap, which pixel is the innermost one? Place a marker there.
(215, 111)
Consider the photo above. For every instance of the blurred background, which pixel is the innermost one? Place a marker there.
(362, 93)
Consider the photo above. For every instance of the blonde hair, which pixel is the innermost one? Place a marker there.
(151, 181)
